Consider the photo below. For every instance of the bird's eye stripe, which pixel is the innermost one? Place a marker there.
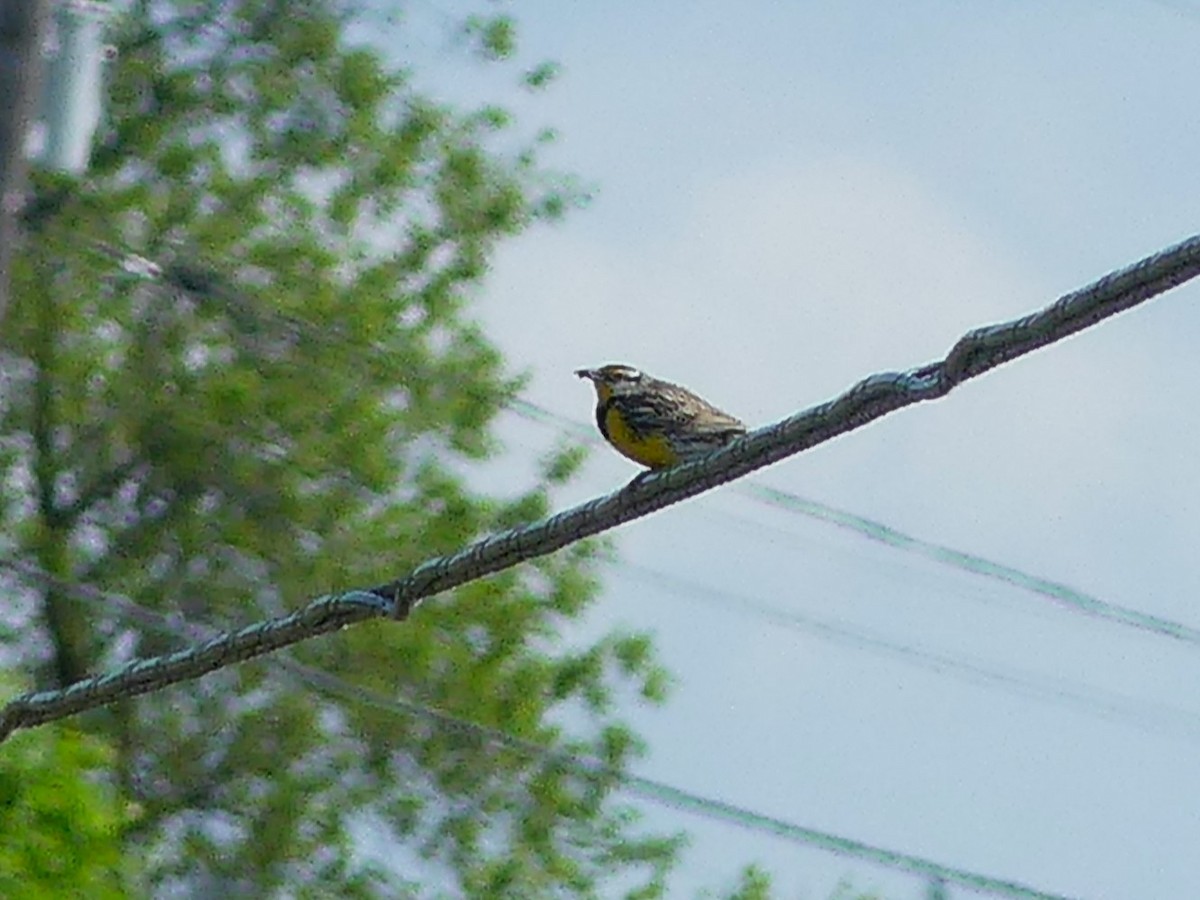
(623, 374)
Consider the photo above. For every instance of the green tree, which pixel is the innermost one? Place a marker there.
(286, 410)
(59, 828)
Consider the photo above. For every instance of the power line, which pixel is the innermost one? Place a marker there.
(1062, 594)
(648, 789)
(1148, 716)
(1161, 718)
(1157, 717)
(975, 353)
(1065, 596)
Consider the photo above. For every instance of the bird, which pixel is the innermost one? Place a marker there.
(655, 423)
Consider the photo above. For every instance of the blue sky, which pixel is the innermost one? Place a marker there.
(789, 197)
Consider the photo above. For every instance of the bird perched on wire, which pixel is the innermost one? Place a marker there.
(655, 423)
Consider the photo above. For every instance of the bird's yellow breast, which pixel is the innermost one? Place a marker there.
(654, 451)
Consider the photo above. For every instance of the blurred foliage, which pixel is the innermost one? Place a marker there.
(60, 826)
(286, 410)
(754, 883)
(496, 35)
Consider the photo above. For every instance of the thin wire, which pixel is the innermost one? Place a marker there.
(647, 789)
(1147, 716)
(1157, 717)
(1064, 596)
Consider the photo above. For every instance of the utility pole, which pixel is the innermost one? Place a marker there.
(22, 28)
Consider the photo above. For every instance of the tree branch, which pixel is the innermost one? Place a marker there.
(102, 487)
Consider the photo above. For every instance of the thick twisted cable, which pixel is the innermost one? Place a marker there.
(974, 354)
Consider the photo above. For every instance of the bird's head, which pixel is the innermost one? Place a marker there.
(615, 378)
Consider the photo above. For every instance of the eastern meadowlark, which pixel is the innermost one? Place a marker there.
(655, 423)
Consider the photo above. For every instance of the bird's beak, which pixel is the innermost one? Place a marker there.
(589, 374)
